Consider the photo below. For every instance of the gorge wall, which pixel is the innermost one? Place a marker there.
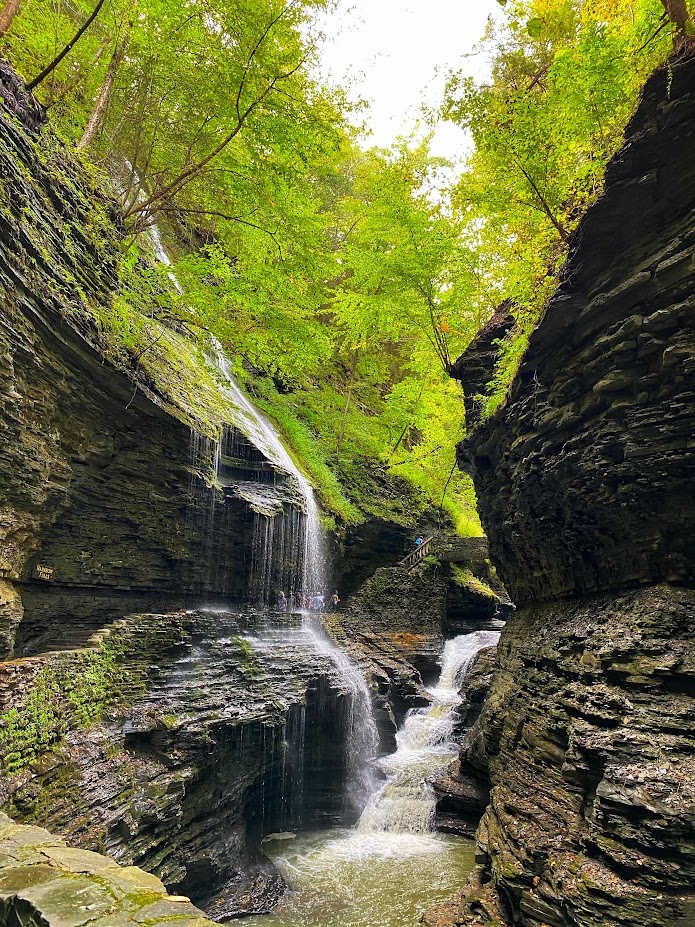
(585, 479)
(115, 497)
(176, 742)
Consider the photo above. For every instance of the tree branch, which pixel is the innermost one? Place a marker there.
(562, 232)
(223, 215)
(242, 115)
(68, 48)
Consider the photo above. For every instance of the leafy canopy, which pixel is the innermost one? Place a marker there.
(341, 281)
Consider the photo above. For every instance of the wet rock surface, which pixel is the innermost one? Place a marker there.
(585, 482)
(473, 368)
(243, 728)
(111, 501)
(45, 883)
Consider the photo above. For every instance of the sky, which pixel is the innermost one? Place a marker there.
(395, 54)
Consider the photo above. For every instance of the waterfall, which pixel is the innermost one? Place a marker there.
(362, 737)
(405, 802)
(341, 699)
(310, 575)
(277, 537)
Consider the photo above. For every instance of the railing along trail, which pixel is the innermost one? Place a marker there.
(420, 552)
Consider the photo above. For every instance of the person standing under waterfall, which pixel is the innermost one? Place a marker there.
(282, 602)
(335, 598)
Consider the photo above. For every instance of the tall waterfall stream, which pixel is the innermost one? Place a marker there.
(392, 865)
(298, 541)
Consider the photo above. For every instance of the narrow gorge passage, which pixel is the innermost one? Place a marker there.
(392, 866)
(347, 470)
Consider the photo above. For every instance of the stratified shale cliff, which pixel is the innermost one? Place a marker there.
(586, 483)
(172, 740)
(110, 500)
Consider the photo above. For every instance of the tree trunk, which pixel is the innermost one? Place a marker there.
(7, 14)
(677, 12)
(348, 398)
(102, 101)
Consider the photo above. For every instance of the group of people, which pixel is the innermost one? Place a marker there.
(312, 603)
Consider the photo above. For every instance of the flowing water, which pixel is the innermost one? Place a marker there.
(274, 639)
(271, 532)
(287, 546)
(338, 881)
(392, 865)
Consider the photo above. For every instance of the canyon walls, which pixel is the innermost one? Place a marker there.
(115, 496)
(176, 742)
(586, 485)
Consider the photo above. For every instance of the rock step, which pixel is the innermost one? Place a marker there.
(44, 881)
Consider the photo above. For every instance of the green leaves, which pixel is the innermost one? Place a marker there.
(534, 27)
(565, 79)
(342, 282)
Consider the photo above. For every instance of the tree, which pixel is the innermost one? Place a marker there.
(7, 14)
(565, 78)
(677, 12)
(52, 65)
(104, 96)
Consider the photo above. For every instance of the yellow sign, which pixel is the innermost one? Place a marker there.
(41, 571)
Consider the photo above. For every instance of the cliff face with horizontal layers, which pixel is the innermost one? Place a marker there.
(110, 500)
(176, 742)
(586, 483)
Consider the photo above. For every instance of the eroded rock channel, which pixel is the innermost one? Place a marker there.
(201, 750)
(139, 720)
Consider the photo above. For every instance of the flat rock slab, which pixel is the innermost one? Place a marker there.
(44, 881)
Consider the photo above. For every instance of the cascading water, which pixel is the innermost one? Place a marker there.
(343, 702)
(362, 740)
(405, 802)
(271, 533)
(391, 866)
(279, 538)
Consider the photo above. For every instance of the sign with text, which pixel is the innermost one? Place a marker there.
(41, 571)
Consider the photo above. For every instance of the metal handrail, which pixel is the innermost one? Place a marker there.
(420, 552)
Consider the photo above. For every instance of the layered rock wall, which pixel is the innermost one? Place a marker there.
(176, 742)
(107, 502)
(585, 478)
(585, 475)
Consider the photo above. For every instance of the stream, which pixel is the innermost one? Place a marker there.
(392, 865)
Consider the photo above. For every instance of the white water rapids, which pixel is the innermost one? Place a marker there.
(392, 865)
(405, 803)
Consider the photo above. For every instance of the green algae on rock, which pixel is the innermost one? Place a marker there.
(44, 881)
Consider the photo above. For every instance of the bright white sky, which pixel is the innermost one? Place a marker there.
(395, 54)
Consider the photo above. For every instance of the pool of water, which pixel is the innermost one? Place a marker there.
(346, 878)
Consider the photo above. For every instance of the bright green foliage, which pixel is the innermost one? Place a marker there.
(566, 76)
(341, 282)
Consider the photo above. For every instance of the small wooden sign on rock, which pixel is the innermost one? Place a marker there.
(41, 571)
